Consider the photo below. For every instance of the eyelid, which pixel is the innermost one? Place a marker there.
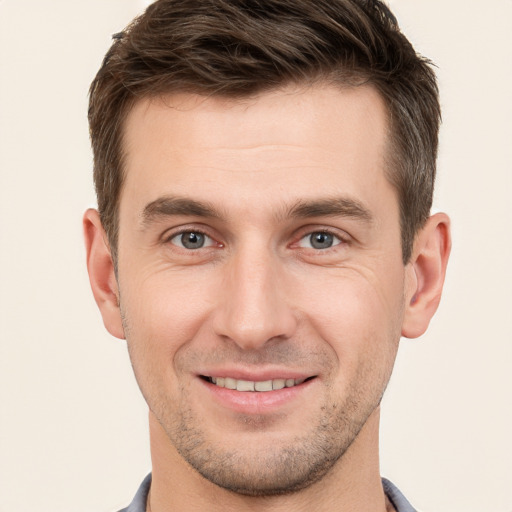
(307, 231)
(324, 232)
(169, 234)
(208, 241)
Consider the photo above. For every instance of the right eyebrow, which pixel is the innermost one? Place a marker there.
(169, 206)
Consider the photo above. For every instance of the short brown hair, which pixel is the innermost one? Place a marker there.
(236, 48)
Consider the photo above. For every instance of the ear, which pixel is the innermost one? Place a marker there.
(425, 274)
(101, 273)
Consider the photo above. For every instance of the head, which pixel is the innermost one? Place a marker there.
(264, 173)
(235, 49)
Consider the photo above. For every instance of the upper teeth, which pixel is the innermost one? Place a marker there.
(250, 385)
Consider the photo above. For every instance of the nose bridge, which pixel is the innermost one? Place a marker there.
(254, 307)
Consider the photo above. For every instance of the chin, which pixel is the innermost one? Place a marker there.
(273, 467)
(284, 472)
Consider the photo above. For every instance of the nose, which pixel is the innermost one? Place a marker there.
(253, 306)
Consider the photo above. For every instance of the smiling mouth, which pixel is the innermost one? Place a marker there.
(250, 385)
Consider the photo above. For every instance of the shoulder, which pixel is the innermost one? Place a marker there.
(394, 495)
(139, 501)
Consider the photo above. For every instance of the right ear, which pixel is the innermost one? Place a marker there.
(101, 273)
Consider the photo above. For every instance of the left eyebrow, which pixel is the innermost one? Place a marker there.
(335, 207)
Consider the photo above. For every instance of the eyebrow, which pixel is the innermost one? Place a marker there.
(333, 207)
(169, 206)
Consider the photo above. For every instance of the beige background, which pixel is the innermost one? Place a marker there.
(73, 427)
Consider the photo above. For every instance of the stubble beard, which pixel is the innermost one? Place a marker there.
(277, 469)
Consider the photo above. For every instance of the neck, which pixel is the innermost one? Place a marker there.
(353, 483)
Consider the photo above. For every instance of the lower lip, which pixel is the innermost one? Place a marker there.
(256, 402)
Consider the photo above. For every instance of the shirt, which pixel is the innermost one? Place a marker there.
(394, 495)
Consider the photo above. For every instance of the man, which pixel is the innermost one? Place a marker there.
(264, 172)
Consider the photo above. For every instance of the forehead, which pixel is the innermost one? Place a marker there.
(298, 140)
(318, 108)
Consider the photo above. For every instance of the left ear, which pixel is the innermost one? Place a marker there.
(426, 272)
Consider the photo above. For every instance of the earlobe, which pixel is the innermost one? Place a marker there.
(101, 273)
(426, 273)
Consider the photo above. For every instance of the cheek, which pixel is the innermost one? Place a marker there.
(359, 316)
(162, 313)
(165, 302)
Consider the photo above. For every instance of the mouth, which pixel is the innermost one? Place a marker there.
(250, 385)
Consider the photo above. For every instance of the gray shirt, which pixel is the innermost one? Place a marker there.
(394, 495)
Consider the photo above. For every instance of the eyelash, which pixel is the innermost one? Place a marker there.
(323, 232)
(341, 240)
(169, 238)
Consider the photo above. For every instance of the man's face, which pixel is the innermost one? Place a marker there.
(259, 247)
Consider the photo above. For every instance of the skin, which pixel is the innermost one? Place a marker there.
(259, 300)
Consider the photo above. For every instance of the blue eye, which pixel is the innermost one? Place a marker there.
(192, 240)
(319, 240)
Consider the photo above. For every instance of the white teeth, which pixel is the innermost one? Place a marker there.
(244, 385)
(278, 383)
(248, 385)
(229, 383)
(265, 385)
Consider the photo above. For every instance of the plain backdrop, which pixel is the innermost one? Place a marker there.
(73, 427)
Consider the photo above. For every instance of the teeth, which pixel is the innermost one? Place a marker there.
(266, 385)
(229, 383)
(244, 385)
(278, 383)
(248, 385)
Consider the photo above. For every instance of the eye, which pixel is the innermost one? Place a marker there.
(319, 240)
(192, 240)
